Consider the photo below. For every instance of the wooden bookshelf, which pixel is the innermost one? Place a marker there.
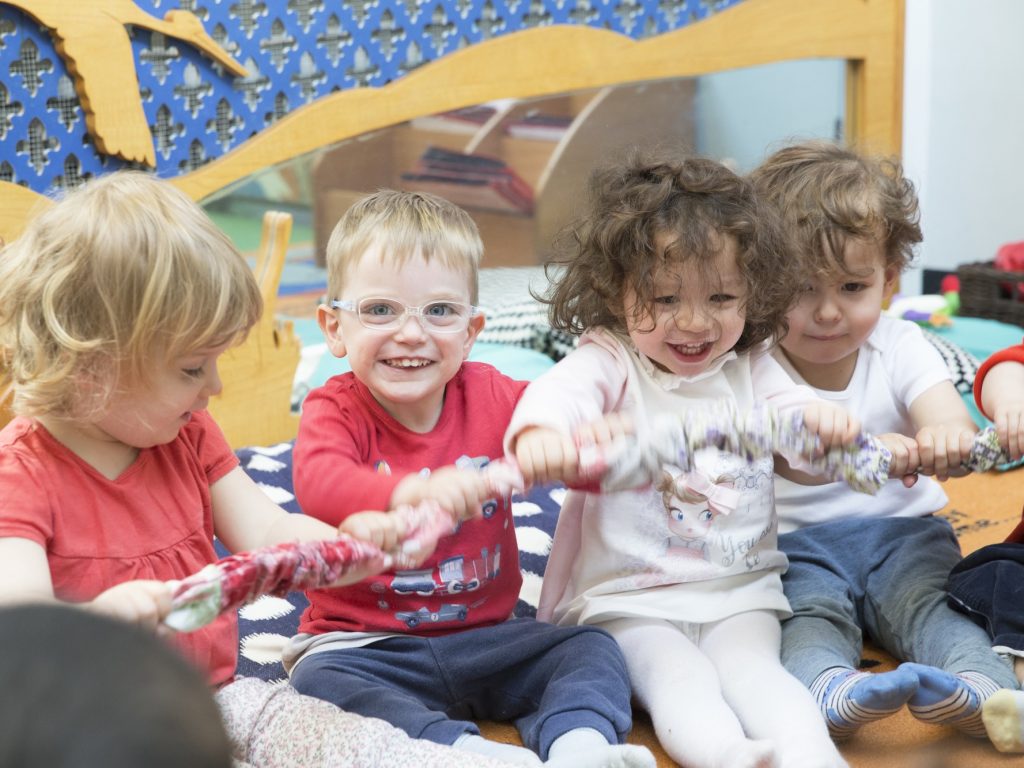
(600, 123)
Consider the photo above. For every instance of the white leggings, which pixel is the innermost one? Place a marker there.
(718, 694)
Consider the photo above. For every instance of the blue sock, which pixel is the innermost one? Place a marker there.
(849, 699)
(944, 698)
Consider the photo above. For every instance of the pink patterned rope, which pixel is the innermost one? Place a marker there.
(239, 579)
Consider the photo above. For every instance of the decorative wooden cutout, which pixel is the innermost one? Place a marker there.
(92, 39)
(524, 63)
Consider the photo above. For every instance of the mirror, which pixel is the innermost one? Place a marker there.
(519, 167)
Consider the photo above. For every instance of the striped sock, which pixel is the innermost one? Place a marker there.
(849, 699)
(944, 698)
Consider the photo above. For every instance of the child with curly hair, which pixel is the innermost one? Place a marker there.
(677, 281)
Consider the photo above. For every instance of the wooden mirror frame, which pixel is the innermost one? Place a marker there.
(868, 34)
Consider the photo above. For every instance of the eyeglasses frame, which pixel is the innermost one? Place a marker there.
(352, 305)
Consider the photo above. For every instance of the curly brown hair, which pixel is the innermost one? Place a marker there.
(692, 203)
(828, 194)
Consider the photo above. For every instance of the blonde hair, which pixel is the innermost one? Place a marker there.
(123, 272)
(828, 195)
(403, 225)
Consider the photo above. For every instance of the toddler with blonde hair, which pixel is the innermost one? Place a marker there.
(115, 306)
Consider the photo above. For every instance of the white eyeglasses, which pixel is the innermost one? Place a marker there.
(390, 314)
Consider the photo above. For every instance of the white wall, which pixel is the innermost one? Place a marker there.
(963, 127)
(744, 114)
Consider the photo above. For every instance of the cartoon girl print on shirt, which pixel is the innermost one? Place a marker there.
(692, 503)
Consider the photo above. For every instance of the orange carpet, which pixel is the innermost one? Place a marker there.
(983, 509)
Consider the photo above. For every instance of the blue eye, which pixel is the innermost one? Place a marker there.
(439, 309)
(377, 310)
(193, 373)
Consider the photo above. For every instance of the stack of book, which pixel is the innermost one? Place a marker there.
(462, 121)
(472, 181)
(539, 125)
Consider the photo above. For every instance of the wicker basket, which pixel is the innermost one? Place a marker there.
(993, 293)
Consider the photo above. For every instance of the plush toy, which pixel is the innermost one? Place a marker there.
(1010, 258)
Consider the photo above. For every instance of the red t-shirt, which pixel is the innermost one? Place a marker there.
(155, 521)
(1014, 354)
(350, 454)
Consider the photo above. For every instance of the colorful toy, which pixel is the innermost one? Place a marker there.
(675, 438)
(239, 579)
(633, 462)
(628, 463)
(935, 310)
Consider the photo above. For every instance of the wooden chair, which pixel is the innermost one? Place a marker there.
(255, 406)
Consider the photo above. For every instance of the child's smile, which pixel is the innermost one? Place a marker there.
(408, 362)
(692, 321)
(692, 354)
(405, 367)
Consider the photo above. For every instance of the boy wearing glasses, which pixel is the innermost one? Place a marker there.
(431, 649)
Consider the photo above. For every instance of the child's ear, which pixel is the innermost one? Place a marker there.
(330, 326)
(476, 325)
(892, 280)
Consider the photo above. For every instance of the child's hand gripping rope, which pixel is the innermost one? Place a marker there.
(675, 438)
(986, 452)
(238, 579)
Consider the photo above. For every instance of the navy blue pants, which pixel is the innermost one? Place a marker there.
(548, 680)
(988, 585)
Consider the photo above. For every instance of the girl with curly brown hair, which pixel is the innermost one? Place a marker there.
(678, 281)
